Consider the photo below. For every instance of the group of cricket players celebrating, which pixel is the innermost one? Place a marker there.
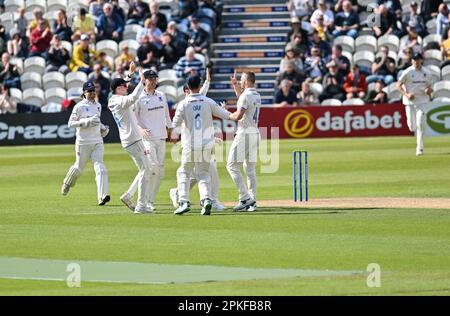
(144, 125)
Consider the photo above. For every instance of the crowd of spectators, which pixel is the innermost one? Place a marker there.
(169, 39)
(312, 57)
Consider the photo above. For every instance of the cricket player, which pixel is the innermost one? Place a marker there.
(216, 204)
(121, 106)
(152, 113)
(244, 149)
(89, 143)
(196, 112)
(415, 85)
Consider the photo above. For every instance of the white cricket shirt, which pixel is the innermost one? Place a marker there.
(122, 111)
(251, 101)
(86, 135)
(416, 81)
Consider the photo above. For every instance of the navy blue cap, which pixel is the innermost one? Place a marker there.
(116, 83)
(193, 82)
(417, 56)
(89, 86)
(150, 74)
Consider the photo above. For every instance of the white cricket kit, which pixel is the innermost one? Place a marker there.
(152, 113)
(130, 137)
(88, 145)
(196, 112)
(415, 81)
(244, 150)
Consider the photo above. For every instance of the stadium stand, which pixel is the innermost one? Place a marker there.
(227, 35)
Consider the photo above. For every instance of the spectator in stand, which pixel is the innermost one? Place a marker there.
(185, 9)
(83, 56)
(198, 38)
(21, 23)
(118, 10)
(162, 20)
(295, 28)
(377, 95)
(147, 53)
(394, 6)
(152, 32)
(442, 19)
(138, 13)
(83, 23)
(306, 96)
(104, 62)
(340, 60)
(301, 8)
(315, 65)
(17, 46)
(211, 4)
(388, 22)
(96, 7)
(179, 39)
(100, 95)
(40, 39)
(429, 9)
(61, 27)
(110, 25)
(290, 73)
(332, 84)
(413, 21)
(10, 106)
(9, 73)
(38, 16)
(323, 31)
(346, 21)
(326, 14)
(125, 58)
(445, 49)
(169, 54)
(97, 75)
(299, 45)
(119, 73)
(405, 61)
(58, 56)
(339, 3)
(323, 46)
(411, 40)
(383, 68)
(355, 84)
(285, 96)
(189, 65)
(290, 55)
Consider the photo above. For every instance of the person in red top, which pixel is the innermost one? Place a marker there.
(40, 39)
(355, 84)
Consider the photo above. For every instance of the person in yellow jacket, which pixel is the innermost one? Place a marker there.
(83, 56)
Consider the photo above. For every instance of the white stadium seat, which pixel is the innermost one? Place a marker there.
(13, 5)
(7, 20)
(68, 46)
(316, 88)
(432, 38)
(30, 80)
(364, 58)
(131, 31)
(201, 58)
(35, 4)
(442, 89)
(354, 101)
(18, 62)
(168, 77)
(75, 79)
(109, 47)
(391, 54)
(442, 99)
(15, 95)
(435, 72)
(51, 16)
(391, 41)
(432, 57)
(55, 95)
(35, 64)
(366, 43)
(53, 79)
(393, 93)
(349, 57)
(170, 92)
(132, 45)
(332, 102)
(347, 43)
(431, 26)
(34, 96)
(55, 5)
(365, 3)
(445, 73)
(75, 94)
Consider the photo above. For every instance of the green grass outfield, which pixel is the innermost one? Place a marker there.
(412, 246)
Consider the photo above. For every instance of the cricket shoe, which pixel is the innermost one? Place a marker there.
(251, 208)
(206, 207)
(142, 210)
(183, 208)
(65, 189)
(128, 201)
(151, 207)
(104, 200)
(219, 207)
(173, 193)
(419, 152)
(244, 205)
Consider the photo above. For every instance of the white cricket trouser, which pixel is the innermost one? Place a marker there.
(140, 157)
(415, 116)
(195, 162)
(214, 179)
(157, 156)
(95, 153)
(244, 152)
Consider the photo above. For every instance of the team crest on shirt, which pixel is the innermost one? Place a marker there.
(160, 99)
